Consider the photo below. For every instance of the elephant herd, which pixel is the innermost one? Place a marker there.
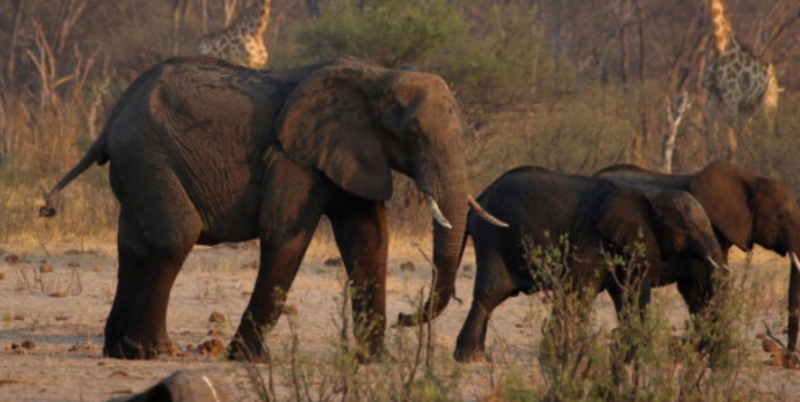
(204, 152)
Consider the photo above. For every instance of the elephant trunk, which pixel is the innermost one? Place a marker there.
(794, 301)
(444, 182)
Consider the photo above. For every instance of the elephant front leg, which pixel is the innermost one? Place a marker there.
(698, 295)
(492, 286)
(630, 302)
(363, 239)
(280, 260)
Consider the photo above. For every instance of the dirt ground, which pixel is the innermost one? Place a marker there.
(63, 313)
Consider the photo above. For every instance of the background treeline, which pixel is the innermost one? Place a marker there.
(572, 85)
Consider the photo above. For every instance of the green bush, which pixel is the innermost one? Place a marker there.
(390, 32)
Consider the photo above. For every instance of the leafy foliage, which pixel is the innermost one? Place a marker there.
(391, 32)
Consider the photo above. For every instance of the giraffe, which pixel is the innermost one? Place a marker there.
(241, 42)
(737, 82)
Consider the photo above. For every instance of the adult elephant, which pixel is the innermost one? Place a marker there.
(744, 208)
(203, 152)
(598, 218)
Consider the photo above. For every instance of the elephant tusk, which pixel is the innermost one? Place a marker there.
(484, 213)
(436, 212)
(715, 265)
(795, 261)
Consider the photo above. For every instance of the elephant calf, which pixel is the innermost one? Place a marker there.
(597, 216)
(744, 208)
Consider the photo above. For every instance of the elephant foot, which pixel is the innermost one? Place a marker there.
(132, 350)
(463, 355)
(254, 352)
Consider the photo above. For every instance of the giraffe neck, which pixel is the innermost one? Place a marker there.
(263, 13)
(254, 19)
(723, 33)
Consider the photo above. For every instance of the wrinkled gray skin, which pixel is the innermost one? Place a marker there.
(203, 152)
(744, 208)
(595, 215)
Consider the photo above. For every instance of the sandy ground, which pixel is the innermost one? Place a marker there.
(63, 312)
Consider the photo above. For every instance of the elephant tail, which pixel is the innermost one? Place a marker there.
(97, 153)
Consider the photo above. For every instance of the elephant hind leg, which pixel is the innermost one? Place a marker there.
(130, 280)
(157, 231)
(363, 239)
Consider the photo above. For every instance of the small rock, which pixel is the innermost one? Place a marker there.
(73, 264)
(12, 258)
(252, 264)
(217, 317)
(190, 348)
(19, 317)
(213, 347)
(27, 345)
(119, 374)
(214, 332)
(468, 268)
(81, 346)
(45, 268)
(334, 262)
(2, 276)
(408, 266)
(761, 336)
(61, 318)
(58, 294)
(770, 346)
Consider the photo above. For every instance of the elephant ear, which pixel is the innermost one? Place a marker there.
(328, 123)
(723, 191)
(625, 218)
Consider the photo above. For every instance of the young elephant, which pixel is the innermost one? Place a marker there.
(597, 217)
(744, 208)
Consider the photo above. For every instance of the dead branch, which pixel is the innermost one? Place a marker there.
(676, 111)
(783, 347)
(68, 14)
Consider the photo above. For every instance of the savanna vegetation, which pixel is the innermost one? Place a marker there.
(572, 85)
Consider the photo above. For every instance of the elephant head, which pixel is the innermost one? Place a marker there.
(667, 222)
(357, 123)
(748, 209)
